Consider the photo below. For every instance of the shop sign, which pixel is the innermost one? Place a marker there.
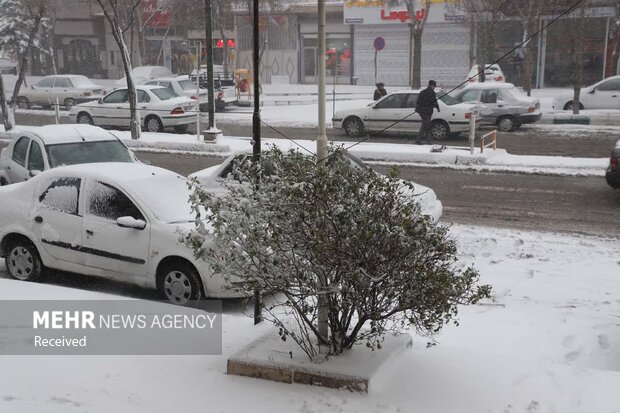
(381, 11)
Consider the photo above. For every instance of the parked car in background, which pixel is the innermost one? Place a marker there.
(216, 178)
(224, 85)
(396, 112)
(613, 171)
(492, 73)
(143, 74)
(108, 220)
(159, 107)
(183, 86)
(501, 104)
(69, 90)
(41, 148)
(602, 95)
(7, 66)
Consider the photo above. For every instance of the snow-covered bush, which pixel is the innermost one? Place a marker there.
(343, 232)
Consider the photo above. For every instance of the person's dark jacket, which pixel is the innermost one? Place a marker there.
(379, 93)
(427, 100)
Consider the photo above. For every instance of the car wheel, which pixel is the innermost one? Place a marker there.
(3, 181)
(23, 261)
(506, 124)
(69, 103)
(23, 102)
(569, 106)
(179, 283)
(153, 124)
(181, 128)
(440, 130)
(85, 118)
(353, 127)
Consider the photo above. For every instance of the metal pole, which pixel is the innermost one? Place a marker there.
(256, 130)
(57, 111)
(209, 47)
(321, 147)
(472, 130)
(334, 84)
(198, 52)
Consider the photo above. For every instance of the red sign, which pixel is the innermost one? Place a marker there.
(379, 43)
(402, 15)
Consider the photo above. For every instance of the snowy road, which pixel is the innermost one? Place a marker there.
(551, 203)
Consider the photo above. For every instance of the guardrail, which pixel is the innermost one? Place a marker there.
(493, 142)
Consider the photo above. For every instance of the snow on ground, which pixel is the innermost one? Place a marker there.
(549, 343)
(393, 153)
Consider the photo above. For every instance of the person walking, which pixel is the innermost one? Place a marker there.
(427, 100)
(379, 91)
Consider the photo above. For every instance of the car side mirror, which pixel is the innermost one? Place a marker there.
(100, 101)
(130, 222)
(31, 86)
(592, 91)
(34, 173)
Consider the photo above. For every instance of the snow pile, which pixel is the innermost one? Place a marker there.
(548, 343)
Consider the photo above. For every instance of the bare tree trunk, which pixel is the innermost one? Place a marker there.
(417, 60)
(416, 30)
(135, 122)
(3, 106)
(527, 69)
(23, 65)
(224, 51)
(576, 52)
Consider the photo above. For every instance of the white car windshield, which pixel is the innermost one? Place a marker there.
(87, 152)
(172, 208)
(164, 93)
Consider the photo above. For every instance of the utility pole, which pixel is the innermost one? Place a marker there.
(209, 49)
(256, 130)
(321, 150)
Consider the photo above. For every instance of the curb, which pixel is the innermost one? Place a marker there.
(602, 119)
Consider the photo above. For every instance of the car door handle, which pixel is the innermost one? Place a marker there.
(38, 219)
(500, 106)
(614, 96)
(90, 232)
(8, 167)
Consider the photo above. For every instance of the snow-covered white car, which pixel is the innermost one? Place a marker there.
(183, 86)
(142, 74)
(216, 178)
(67, 89)
(159, 108)
(602, 95)
(108, 220)
(492, 73)
(396, 112)
(501, 104)
(41, 148)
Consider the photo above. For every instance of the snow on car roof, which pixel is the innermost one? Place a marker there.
(56, 134)
(490, 85)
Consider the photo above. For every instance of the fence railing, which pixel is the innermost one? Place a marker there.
(493, 137)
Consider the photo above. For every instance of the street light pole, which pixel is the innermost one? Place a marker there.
(209, 49)
(321, 155)
(256, 131)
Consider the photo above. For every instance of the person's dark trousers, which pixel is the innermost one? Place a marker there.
(424, 134)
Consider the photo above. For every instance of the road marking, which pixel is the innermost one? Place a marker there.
(515, 189)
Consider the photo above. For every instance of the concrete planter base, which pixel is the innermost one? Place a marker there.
(270, 358)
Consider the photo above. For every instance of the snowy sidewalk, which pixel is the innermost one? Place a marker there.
(375, 153)
(548, 343)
